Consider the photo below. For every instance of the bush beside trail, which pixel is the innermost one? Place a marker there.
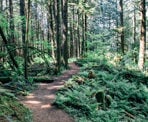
(113, 95)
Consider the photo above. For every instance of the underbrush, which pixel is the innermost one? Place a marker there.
(104, 93)
(11, 110)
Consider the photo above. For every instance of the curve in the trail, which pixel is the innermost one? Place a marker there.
(40, 101)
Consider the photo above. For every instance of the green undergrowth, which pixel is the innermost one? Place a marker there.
(112, 94)
(11, 110)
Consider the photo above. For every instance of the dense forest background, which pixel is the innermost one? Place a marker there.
(39, 38)
(43, 31)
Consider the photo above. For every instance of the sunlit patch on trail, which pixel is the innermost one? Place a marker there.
(52, 96)
(54, 87)
(30, 96)
(46, 106)
(33, 102)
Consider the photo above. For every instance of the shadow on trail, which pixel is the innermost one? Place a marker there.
(40, 101)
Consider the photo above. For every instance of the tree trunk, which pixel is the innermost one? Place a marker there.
(51, 30)
(26, 42)
(65, 31)
(78, 32)
(71, 39)
(122, 26)
(85, 32)
(83, 35)
(8, 49)
(134, 26)
(1, 5)
(11, 37)
(85, 26)
(58, 35)
(117, 24)
(22, 14)
(142, 47)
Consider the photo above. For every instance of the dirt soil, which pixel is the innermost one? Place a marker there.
(40, 101)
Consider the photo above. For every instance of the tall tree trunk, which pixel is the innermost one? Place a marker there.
(72, 29)
(22, 14)
(117, 24)
(85, 32)
(1, 5)
(26, 42)
(1, 48)
(78, 31)
(142, 47)
(65, 31)
(51, 29)
(83, 35)
(58, 35)
(134, 35)
(122, 26)
(85, 26)
(71, 39)
(134, 26)
(11, 37)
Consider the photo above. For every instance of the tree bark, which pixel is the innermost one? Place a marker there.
(22, 14)
(58, 35)
(142, 47)
(65, 31)
(11, 37)
(1, 5)
(122, 26)
(83, 35)
(51, 29)
(26, 42)
(8, 49)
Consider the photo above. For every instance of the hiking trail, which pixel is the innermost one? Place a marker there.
(40, 101)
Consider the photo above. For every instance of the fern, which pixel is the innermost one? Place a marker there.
(128, 90)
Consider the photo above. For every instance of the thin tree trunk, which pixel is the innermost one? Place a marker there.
(58, 36)
(117, 24)
(71, 40)
(122, 26)
(50, 30)
(26, 43)
(1, 5)
(134, 26)
(142, 47)
(1, 48)
(86, 32)
(134, 36)
(83, 35)
(78, 32)
(11, 37)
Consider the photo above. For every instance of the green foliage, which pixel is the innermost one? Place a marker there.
(3, 22)
(127, 89)
(20, 86)
(11, 110)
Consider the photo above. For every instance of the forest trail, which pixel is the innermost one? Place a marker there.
(40, 101)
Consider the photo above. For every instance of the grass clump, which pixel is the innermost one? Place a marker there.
(123, 94)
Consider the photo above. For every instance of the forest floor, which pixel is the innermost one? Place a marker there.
(40, 101)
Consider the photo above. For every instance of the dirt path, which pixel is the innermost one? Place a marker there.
(40, 101)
